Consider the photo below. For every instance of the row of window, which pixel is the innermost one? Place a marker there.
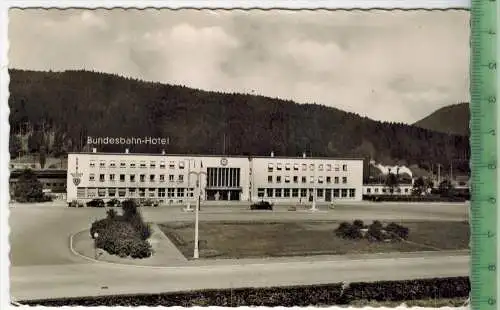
(303, 179)
(132, 178)
(141, 164)
(306, 192)
(321, 167)
(386, 190)
(131, 192)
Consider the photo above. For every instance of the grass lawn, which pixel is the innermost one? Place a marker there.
(274, 239)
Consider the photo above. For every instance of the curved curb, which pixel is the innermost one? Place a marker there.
(232, 265)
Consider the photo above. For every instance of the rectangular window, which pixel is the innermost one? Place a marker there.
(336, 193)
(278, 166)
(304, 167)
(142, 178)
(376, 190)
(112, 164)
(352, 192)
(295, 192)
(143, 164)
(132, 178)
(101, 177)
(286, 192)
(91, 192)
(151, 178)
(269, 179)
(287, 167)
(180, 192)
(102, 164)
(277, 192)
(91, 177)
(270, 168)
(320, 180)
(131, 192)
(111, 192)
(122, 178)
(152, 192)
(311, 179)
(122, 192)
(162, 178)
(123, 165)
(296, 167)
(269, 192)
(344, 180)
(295, 179)
(337, 168)
(303, 192)
(101, 192)
(278, 179)
(152, 164)
(287, 179)
(142, 192)
(328, 180)
(344, 192)
(132, 165)
(336, 180)
(304, 180)
(80, 192)
(171, 178)
(344, 167)
(368, 190)
(171, 164)
(162, 165)
(92, 164)
(161, 192)
(311, 167)
(170, 192)
(320, 167)
(328, 167)
(320, 193)
(181, 178)
(181, 165)
(260, 192)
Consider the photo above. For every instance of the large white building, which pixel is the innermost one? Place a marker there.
(175, 178)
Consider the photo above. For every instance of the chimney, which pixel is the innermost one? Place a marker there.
(126, 151)
(272, 154)
(304, 155)
(94, 150)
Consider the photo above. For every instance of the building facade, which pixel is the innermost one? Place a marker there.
(177, 178)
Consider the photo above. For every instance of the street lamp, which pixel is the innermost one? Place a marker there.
(313, 206)
(95, 244)
(198, 202)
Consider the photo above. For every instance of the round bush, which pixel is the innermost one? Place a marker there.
(358, 223)
(398, 230)
(375, 231)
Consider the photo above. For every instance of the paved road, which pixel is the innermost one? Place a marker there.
(43, 265)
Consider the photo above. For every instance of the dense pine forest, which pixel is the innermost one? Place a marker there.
(55, 112)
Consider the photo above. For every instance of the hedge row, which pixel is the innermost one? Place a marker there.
(293, 296)
(398, 198)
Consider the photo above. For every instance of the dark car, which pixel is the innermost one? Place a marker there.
(114, 203)
(262, 205)
(96, 203)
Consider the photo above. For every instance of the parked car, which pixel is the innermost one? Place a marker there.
(96, 203)
(114, 203)
(262, 205)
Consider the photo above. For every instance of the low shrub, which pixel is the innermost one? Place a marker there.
(291, 296)
(398, 230)
(414, 198)
(359, 223)
(375, 232)
(348, 231)
(261, 205)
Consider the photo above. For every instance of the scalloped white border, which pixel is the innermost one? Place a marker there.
(4, 82)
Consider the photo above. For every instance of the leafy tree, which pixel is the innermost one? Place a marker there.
(419, 186)
(28, 188)
(392, 181)
(15, 146)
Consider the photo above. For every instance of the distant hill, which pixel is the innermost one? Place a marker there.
(55, 112)
(452, 119)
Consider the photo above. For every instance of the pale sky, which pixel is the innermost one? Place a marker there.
(391, 66)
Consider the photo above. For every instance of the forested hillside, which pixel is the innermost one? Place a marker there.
(56, 111)
(452, 119)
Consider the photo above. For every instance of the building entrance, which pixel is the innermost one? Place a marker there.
(224, 194)
(328, 194)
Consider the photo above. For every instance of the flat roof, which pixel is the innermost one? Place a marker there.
(219, 155)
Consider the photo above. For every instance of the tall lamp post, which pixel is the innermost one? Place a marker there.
(198, 175)
(315, 191)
